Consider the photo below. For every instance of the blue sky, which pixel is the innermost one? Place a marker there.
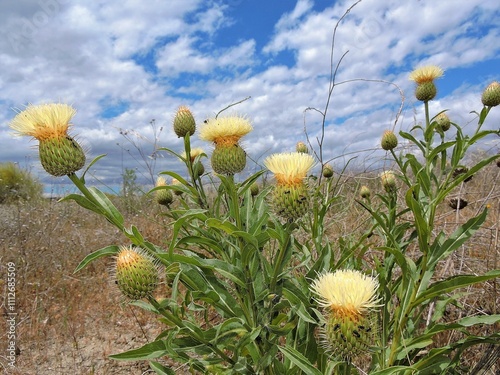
(122, 64)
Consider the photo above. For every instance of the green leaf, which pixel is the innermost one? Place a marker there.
(155, 349)
(160, 369)
(82, 201)
(452, 283)
(106, 251)
(463, 233)
(397, 370)
(111, 212)
(299, 360)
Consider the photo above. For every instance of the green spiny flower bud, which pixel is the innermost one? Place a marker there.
(443, 122)
(290, 202)
(388, 179)
(426, 91)
(301, 147)
(163, 196)
(254, 189)
(389, 140)
(61, 156)
(491, 95)
(327, 171)
(184, 122)
(364, 192)
(228, 159)
(137, 273)
(198, 169)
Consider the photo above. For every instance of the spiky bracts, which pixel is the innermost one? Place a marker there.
(228, 156)
(59, 153)
(388, 180)
(137, 273)
(424, 78)
(290, 198)
(491, 95)
(163, 196)
(443, 122)
(184, 122)
(348, 299)
(389, 140)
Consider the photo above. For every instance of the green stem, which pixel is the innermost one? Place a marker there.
(178, 322)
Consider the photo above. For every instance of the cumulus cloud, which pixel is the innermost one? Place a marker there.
(124, 63)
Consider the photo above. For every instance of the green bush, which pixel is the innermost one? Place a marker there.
(16, 184)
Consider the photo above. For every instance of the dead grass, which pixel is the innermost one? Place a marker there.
(70, 323)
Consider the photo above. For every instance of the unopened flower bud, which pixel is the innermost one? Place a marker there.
(443, 122)
(364, 192)
(389, 140)
(491, 95)
(137, 273)
(184, 122)
(327, 171)
(301, 147)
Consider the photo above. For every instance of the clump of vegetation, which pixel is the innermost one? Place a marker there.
(18, 184)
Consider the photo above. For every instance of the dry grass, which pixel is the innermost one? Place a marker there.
(69, 323)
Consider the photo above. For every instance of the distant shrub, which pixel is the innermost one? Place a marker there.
(16, 184)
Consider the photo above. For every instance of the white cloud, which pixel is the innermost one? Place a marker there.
(152, 57)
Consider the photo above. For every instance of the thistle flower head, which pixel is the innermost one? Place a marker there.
(346, 292)
(225, 130)
(443, 122)
(184, 122)
(491, 95)
(348, 298)
(60, 154)
(163, 196)
(388, 179)
(364, 192)
(426, 74)
(389, 140)
(137, 273)
(44, 121)
(301, 147)
(289, 168)
(327, 171)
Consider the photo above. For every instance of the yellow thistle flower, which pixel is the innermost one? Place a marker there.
(43, 122)
(59, 153)
(424, 78)
(426, 74)
(225, 130)
(347, 292)
(289, 168)
(290, 196)
(228, 157)
(348, 297)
